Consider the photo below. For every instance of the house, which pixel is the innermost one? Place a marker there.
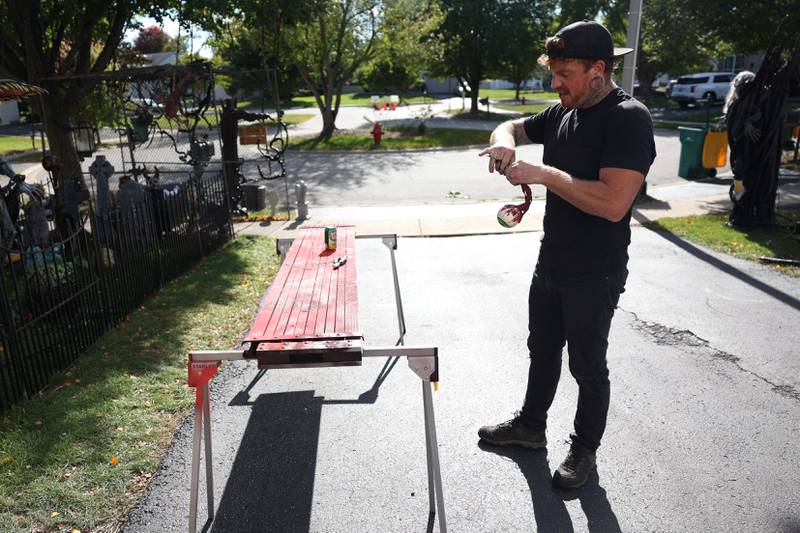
(9, 112)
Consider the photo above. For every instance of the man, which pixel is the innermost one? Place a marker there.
(598, 148)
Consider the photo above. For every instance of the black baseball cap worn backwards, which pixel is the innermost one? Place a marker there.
(586, 39)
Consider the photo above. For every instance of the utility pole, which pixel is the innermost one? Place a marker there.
(629, 67)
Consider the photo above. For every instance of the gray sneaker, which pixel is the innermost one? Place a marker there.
(575, 469)
(513, 433)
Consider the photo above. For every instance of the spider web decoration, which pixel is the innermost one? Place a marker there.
(273, 152)
(164, 100)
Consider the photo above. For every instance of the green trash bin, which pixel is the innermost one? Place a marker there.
(691, 164)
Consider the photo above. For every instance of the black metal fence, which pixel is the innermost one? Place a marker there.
(98, 266)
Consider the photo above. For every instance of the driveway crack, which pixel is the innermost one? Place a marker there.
(668, 336)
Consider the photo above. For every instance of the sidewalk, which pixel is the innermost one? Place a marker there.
(690, 198)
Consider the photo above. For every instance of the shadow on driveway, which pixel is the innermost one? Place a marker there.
(548, 503)
(271, 484)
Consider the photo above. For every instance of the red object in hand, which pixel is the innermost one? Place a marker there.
(510, 215)
(377, 133)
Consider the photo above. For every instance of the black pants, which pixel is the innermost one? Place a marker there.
(576, 310)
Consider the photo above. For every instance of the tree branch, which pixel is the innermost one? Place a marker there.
(113, 39)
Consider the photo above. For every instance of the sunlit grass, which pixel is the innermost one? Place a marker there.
(712, 231)
(14, 144)
(79, 454)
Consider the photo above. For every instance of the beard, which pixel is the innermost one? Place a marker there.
(566, 99)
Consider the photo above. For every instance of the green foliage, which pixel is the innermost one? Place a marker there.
(406, 42)
(472, 33)
(672, 39)
(747, 26)
(574, 10)
(329, 48)
(524, 38)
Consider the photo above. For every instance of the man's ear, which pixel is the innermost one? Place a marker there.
(599, 68)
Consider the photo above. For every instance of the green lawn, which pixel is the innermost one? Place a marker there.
(713, 232)
(14, 144)
(527, 109)
(508, 94)
(80, 454)
(399, 138)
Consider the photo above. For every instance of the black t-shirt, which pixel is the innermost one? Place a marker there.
(616, 132)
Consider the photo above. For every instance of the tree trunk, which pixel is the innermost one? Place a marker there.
(53, 109)
(328, 123)
(646, 80)
(517, 86)
(475, 85)
(646, 74)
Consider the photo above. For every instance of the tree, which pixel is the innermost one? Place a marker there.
(329, 48)
(44, 39)
(685, 35)
(524, 38)
(747, 26)
(407, 41)
(249, 37)
(324, 40)
(153, 39)
(472, 31)
(671, 39)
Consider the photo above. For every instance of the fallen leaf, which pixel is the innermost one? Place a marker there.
(7, 459)
(54, 514)
(114, 460)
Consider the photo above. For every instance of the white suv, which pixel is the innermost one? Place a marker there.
(704, 85)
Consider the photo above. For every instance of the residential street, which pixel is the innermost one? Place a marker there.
(701, 436)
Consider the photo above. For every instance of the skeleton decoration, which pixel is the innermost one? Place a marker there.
(755, 116)
(510, 215)
(101, 170)
(36, 231)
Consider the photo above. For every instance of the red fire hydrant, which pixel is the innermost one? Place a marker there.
(377, 133)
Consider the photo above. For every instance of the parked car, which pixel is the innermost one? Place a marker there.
(703, 85)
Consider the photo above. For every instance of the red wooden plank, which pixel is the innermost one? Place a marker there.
(305, 289)
(317, 299)
(279, 320)
(351, 292)
(341, 289)
(333, 302)
(273, 296)
(349, 318)
(323, 303)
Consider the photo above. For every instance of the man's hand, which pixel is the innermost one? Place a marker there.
(500, 157)
(520, 172)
